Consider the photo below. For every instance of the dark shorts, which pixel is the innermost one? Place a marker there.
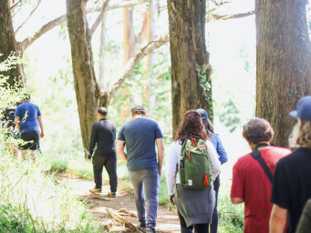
(30, 140)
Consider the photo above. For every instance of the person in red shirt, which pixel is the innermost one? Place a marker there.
(252, 176)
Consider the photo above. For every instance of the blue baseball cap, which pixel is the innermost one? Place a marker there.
(203, 113)
(303, 109)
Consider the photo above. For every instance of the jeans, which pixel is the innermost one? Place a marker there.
(198, 228)
(146, 188)
(214, 225)
(108, 161)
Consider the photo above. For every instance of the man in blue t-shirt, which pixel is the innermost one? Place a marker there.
(29, 124)
(140, 136)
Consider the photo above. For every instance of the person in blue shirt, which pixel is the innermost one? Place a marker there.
(222, 156)
(29, 123)
(140, 137)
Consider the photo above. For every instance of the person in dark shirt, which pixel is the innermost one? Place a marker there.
(140, 136)
(29, 123)
(292, 180)
(102, 149)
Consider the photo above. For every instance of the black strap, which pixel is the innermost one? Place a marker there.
(256, 155)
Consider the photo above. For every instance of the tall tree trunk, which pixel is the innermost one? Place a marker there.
(87, 91)
(191, 84)
(128, 34)
(283, 62)
(8, 44)
(101, 65)
(150, 35)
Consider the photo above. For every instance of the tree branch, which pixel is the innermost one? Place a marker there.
(61, 19)
(227, 17)
(45, 28)
(118, 6)
(101, 15)
(15, 4)
(149, 48)
(29, 16)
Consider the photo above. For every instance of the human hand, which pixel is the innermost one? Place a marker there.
(42, 134)
(173, 199)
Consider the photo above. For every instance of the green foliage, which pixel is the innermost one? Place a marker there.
(30, 200)
(163, 197)
(230, 116)
(33, 202)
(16, 220)
(231, 217)
(58, 166)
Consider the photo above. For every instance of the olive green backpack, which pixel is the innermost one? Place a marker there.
(195, 165)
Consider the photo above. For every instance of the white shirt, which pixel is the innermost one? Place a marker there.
(173, 159)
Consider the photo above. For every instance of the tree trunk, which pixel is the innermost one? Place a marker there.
(191, 83)
(150, 35)
(101, 65)
(283, 62)
(8, 45)
(87, 91)
(128, 34)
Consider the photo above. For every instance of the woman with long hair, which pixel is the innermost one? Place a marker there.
(195, 207)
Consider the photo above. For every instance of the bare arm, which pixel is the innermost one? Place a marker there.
(120, 149)
(236, 200)
(278, 219)
(17, 123)
(41, 127)
(160, 148)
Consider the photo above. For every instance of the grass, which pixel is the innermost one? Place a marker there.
(31, 201)
(230, 216)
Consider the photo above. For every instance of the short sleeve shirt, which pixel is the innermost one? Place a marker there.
(139, 136)
(251, 184)
(28, 114)
(292, 185)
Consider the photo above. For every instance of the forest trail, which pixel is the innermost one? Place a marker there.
(104, 208)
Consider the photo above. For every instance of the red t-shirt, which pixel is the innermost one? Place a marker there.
(251, 184)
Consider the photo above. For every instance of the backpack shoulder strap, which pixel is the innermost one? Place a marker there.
(256, 155)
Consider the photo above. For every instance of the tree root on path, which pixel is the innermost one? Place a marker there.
(119, 216)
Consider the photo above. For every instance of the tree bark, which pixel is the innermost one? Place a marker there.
(283, 62)
(86, 88)
(150, 35)
(128, 35)
(8, 45)
(191, 83)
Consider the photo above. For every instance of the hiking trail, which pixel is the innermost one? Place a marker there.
(111, 212)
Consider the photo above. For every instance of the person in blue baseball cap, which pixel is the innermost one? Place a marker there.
(303, 109)
(222, 156)
(292, 179)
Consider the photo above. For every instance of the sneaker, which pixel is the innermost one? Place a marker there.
(95, 191)
(141, 227)
(150, 230)
(111, 195)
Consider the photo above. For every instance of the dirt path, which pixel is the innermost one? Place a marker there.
(167, 220)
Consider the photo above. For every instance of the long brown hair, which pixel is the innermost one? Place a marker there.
(191, 127)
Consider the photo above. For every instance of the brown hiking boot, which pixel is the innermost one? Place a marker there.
(95, 191)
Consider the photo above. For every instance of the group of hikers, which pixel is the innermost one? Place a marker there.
(274, 183)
